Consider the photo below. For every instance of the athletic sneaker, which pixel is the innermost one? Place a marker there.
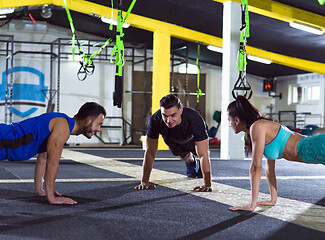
(199, 172)
(191, 169)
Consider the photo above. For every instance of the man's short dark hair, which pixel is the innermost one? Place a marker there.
(170, 101)
(91, 109)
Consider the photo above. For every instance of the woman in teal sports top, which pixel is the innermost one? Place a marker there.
(274, 141)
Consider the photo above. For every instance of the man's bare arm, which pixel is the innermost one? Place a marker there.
(202, 150)
(59, 135)
(39, 174)
(149, 157)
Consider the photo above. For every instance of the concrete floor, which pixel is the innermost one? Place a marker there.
(102, 181)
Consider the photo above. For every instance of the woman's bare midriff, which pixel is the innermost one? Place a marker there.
(290, 149)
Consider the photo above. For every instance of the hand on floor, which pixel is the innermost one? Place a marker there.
(243, 208)
(144, 186)
(202, 189)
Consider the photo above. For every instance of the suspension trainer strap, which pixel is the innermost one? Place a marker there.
(118, 52)
(72, 28)
(118, 49)
(87, 66)
(129, 10)
(198, 90)
(242, 83)
(108, 41)
(111, 24)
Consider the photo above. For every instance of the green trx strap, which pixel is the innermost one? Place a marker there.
(244, 34)
(245, 3)
(111, 25)
(87, 65)
(242, 83)
(129, 10)
(72, 28)
(118, 52)
(198, 90)
(118, 49)
(101, 48)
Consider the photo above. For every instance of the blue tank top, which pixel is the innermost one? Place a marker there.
(274, 149)
(23, 140)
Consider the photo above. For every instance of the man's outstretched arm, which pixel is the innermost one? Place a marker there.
(59, 135)
(149, 157)
(202, 150)
(39, 174)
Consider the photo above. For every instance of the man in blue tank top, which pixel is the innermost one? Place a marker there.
(186, 134)
(45, 136)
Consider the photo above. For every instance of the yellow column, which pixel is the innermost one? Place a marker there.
(161, 73)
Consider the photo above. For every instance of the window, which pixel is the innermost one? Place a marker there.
(303, 94)
(294, 94)
(313, 93)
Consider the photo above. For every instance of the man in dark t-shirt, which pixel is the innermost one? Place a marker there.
(186, 134)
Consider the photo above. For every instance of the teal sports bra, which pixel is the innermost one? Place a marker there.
(274, 149)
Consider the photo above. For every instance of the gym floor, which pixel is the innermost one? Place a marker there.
(102, 181)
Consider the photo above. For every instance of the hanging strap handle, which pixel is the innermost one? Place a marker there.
(242, 84)
(87, 65)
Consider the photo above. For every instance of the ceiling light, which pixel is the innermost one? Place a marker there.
(259, 59)
(46, 11)
(306, 28)
(3, 16)
(214, 48)
(191, 68)
(6, 10)
(113, 21)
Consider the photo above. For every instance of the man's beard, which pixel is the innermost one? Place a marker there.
(87, 130)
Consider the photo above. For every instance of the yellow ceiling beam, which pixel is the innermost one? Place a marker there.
(282, 12)
(20, 3)
(173, 30)
(298, 63)
(136, 21)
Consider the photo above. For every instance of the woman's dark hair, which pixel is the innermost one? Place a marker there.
(247, 113)
(91, 109)
(170, 101)
(244, 110)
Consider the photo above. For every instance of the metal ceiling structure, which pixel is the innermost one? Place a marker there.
(190, 22)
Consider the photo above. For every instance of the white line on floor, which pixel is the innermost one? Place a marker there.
(138, 179)
(300, 213)
(72, 180)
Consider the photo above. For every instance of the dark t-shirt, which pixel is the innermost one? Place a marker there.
(181, 138)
